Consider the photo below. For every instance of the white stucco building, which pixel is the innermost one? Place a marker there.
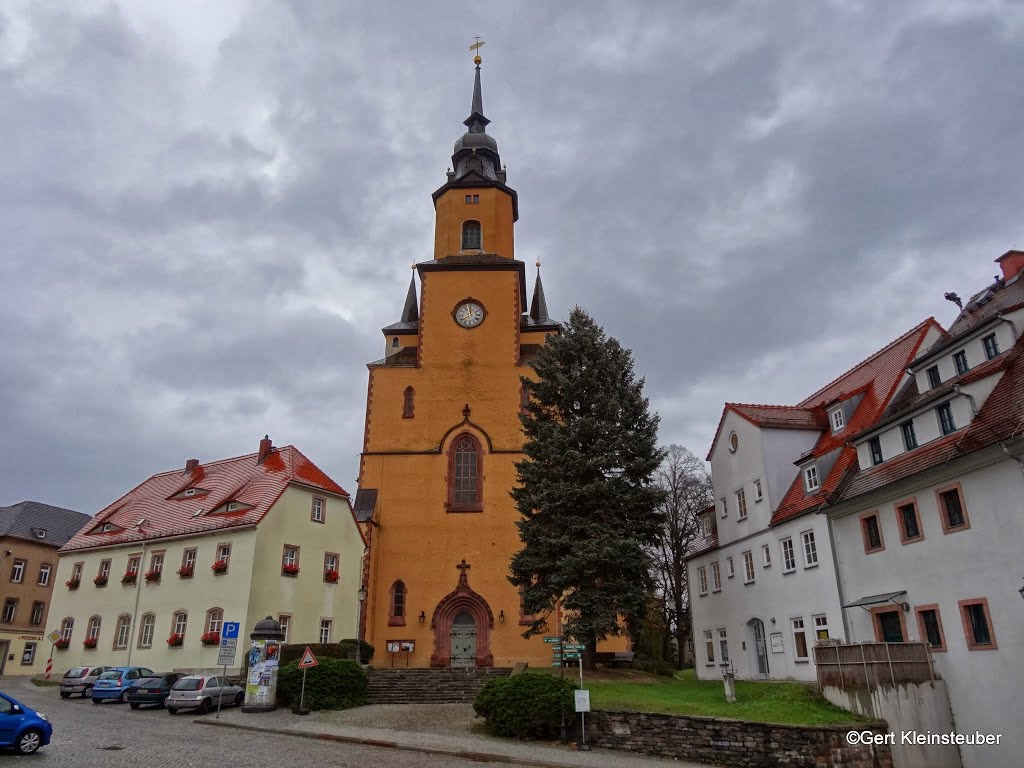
(763, 585)
(152, 577)
(928, 533)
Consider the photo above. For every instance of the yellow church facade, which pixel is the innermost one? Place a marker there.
(442, 434)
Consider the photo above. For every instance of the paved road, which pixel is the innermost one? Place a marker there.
(87, 735)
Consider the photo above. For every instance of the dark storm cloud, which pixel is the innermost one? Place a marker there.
(209, 210)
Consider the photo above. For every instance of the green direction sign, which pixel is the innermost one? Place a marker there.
(570, 655)
(574, 647)
(550, 639)
(556, 663)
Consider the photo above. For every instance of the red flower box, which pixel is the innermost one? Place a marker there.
(175, 640)
(186, 571)
(289, 570)
(331, 577)
(221, 566)
(89, 642)
(152, 576)
(100, 581)
(210, 638)
(72, 584)
(129, 577)
(62, 644)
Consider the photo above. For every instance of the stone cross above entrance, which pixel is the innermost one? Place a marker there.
(463, 567)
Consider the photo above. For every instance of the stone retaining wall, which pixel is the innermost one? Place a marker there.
(735, 743)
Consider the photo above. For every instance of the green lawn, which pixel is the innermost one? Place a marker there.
(760, 701)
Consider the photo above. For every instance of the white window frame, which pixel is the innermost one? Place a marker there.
(732, 567)
(326, 625)
(837, 419)
(188, 558)
(317, 512)
(741, 504)
(758, 491)
(811, 480)
(285, 620)
(45, 570)
(725, 506)
(709, 646)
(820, 621)
(76, 571)
(723, 647)
(766, 555)
(123, 631)
(788, 554)
(797, 626)
(18, 571)
(156, 562)
(702, 580)
(180, 619)
(328, 565)
(147, 631)
(93, 632)
(705, 525)
(716, 577)
(807, 537)
(748, 567)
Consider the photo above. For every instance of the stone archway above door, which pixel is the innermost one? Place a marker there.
(459, 600)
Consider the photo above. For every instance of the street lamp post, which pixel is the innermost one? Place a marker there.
(359, 625)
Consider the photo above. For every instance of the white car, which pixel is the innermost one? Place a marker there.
(201, 692)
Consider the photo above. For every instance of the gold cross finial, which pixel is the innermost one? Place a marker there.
(476, 47)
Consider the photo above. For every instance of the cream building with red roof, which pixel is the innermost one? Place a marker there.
(928, 526)
(763, 582)
(152, 577)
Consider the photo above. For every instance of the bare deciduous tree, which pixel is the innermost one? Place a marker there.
(688, 491)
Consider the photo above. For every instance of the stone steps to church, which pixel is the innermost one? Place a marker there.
(428, 686)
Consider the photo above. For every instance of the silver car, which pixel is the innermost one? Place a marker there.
(80, 680)
(202, 692)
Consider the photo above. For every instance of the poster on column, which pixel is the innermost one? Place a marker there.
(261, 681)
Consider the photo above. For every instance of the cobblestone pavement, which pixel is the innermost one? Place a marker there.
(87, 735)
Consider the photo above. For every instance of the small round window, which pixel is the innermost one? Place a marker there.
(734, 442)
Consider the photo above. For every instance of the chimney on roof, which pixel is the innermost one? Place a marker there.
(1012, 263)
(190, 465)
(265, 448)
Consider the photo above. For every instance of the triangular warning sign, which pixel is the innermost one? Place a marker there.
(308, 659)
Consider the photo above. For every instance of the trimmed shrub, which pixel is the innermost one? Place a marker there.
(526, 706)
(366, 651)
(332, 684)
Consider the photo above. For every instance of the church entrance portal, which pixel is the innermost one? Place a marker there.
(464, 641)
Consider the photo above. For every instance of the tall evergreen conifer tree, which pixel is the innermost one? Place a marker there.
(590, 513)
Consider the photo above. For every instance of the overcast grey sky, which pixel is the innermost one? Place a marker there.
(209, 209)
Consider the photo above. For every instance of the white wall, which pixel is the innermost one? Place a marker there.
(982, 561)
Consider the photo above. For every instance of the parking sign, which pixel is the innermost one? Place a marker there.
(229, 630)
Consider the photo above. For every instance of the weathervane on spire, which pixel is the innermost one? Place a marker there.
(476, 47)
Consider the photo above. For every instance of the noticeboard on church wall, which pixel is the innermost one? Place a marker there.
(401, 646)
(776, 638)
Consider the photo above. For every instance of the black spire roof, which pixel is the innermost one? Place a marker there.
(411, 311)
(539, 305)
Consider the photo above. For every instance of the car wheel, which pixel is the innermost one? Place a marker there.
(64, 695)
(30, 741)
(133, 704)
(123, 697)
(95, 700)
(172, 710)
(204, 708)
(239, 699)
(87, 692)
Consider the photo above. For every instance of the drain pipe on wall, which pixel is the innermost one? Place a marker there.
(969, 396)
(1018, 459)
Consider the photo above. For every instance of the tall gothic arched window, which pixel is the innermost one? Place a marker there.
(471, 235)
(407, 402)
(465, 491)
(396, 616)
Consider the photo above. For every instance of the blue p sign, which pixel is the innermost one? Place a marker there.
(229, 630)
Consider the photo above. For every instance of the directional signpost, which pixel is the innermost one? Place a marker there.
(226, 655)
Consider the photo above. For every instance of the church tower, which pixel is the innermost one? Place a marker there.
(442, 432)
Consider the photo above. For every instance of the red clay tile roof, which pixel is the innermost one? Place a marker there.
(256, 487)
(876, 378)
(1001, 418)
(772, 417)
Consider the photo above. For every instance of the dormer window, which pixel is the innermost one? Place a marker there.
(960, 361)
(472, 236)
(838, 420)
(190, 492)
(946, 423)
(991, 346)
(875, 444)
(705, 525)
(811, 482)
(909, 436)
(232, 506)
(934, 379)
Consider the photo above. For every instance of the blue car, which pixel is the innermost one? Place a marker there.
(113, 684)
(21, 727)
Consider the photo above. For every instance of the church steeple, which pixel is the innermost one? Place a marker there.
(539, 305)
(411, 311)
(476, 154)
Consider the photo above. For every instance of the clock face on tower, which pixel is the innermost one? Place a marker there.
(468, 314)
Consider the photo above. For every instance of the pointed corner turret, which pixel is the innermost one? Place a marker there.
(539, 305)
(411, 310)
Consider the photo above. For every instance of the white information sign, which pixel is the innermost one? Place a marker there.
(582, 701)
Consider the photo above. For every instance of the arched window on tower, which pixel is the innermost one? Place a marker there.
(397, 608)
(472, 237)
(407, 403)
(464, 476)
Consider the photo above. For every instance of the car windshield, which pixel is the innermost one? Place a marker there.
(77, 672)
(111, 675)
(189, 684)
